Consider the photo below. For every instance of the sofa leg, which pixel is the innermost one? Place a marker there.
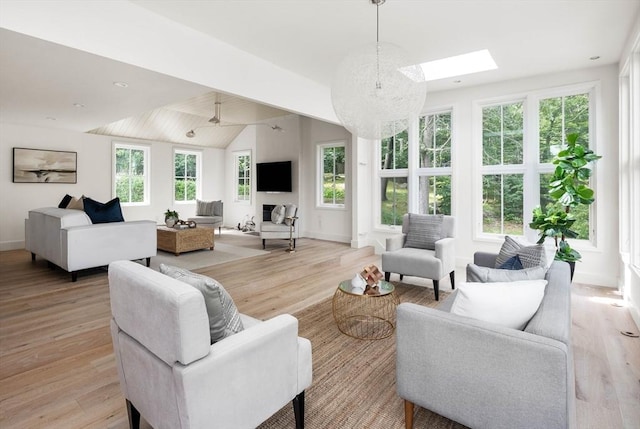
(408, 414)
(436, 289)
(148, 261)
(33, 257)
(74, 276)
(452, 276)
(264, 246)
(298, 410)
(387, 276)
(401, 276)
(219, 230)
(134, 416)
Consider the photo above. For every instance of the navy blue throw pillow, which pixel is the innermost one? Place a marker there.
(513, 263)
(65, 201)
(103, 213)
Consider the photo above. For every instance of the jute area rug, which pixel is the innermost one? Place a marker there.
(354, 380)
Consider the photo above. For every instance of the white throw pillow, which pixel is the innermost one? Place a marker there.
(290, 211)
(510, 304)
(277, 214)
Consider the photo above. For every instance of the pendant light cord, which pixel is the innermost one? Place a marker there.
(378, 84)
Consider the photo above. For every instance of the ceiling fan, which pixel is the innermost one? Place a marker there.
(217, 122)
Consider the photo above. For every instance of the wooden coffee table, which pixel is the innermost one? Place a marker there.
(184, 240)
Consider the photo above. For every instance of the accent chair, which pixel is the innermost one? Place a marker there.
(426, 248)
(173, 376)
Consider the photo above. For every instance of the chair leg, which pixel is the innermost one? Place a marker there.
(401, 277)
(134, 416)
(436, 289)
(264, 245)
(33, 257)
(294, 243)
(452, 276)
(408, 414)
(387, 276)
(298, 410)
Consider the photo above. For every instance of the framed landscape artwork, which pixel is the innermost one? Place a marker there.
(44, 166)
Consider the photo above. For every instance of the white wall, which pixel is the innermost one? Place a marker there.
(599, 264)
(324, 223)
(94, 177)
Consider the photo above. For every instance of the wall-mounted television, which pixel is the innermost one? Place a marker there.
(273, 176)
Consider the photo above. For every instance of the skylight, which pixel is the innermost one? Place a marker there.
(459, 65)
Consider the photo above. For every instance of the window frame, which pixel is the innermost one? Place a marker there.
(146, 150)
(198, 181)
(320, 148)
(532, 166)
(236, 183)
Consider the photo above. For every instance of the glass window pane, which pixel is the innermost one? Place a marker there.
(435, 195)
(502, 134)
(502, 204)
(491, 135)
(435, 140)
(560, 116)
(512, 134)
(394, 200)
(394, 152)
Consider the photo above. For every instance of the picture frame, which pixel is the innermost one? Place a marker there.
(44, 166)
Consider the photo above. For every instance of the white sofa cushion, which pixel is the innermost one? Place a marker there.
(509, 304)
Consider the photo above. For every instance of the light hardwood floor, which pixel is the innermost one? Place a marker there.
(57, 367)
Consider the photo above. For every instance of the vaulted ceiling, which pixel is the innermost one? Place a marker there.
(40, 81)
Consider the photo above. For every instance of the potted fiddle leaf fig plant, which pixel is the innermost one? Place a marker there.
(568, 188)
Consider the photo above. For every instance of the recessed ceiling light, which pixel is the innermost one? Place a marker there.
(121, 84)
(595, 57)
(473, 62)
(78, 105)
(457, 81)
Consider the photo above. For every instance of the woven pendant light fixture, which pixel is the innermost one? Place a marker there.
(377, 89)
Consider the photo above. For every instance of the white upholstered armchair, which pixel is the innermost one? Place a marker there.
(171, 374)
(281, 225)
(409, 253)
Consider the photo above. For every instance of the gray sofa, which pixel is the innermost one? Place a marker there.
(487, 376)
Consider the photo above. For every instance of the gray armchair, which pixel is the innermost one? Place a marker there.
(429, 264)
(173, 376)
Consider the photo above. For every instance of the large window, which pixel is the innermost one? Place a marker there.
(516, 164)
(557, 117)
(131, 178)
(502, 168)
(394, 191)
(186, 183)
(243, 176)
(331, 166)
(434, 162)
(415, 169)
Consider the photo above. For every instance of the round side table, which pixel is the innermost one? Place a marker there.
(367, 317)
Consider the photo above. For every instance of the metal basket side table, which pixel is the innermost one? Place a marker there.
(367, 317)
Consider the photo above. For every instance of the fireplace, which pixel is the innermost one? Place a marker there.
(266, 211)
